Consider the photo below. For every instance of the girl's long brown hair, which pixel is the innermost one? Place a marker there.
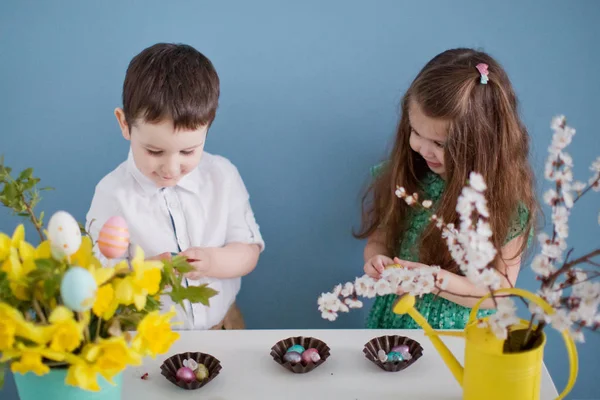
(485, 134)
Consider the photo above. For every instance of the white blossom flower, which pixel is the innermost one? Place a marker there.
(550, 197)
(343, 307)
(382, 287)
(329, 315)
(595, 167)
(409, 200)
(504, 317)
(539, 312)
(490, 278)
(337, 290)
(558, 122)
(392, 276)
(542, 266)
(476, 181)
(348, 289)
(484, 229)
(578, 336)
(400, 192)
(364, 286)
(595, 183)
(352, 303)
(560, 320)
(578, 186)
(551, 295)
(329, 301)
(427, 203)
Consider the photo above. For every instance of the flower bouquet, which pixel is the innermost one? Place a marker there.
(63, 311)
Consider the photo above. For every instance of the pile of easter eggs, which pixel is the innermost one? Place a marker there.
(297, 354)
(398, 353)
(192, 371)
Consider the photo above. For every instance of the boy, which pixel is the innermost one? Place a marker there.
(175, 197)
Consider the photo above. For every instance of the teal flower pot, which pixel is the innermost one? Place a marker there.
(52, 386)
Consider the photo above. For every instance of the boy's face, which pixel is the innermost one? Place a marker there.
(161, 153)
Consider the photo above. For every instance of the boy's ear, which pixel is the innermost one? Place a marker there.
(120, 114)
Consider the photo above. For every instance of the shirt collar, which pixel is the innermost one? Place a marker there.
(190, 182)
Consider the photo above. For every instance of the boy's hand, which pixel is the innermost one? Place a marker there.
(376, 265)
(200, 259)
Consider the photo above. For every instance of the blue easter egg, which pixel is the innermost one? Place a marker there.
(78, 289)
(297, 348)
(394, 356)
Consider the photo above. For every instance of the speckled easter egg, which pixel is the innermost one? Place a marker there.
(297, 348)
(292, 357)
(113, 239)
(64, 234)
(392, 356)
(201, 372)
(78, 289)
(310, 355)
(403, 350)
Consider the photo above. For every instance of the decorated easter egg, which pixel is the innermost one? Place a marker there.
(113, 239)
(310, 356)
(297, 348)
(185, 374)
(393, 356)
(78, 289)
(382, 355)
(403, 350)
(201, 372)
(292, 357)
(64, 234)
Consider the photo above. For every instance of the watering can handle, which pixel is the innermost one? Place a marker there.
(569, 343)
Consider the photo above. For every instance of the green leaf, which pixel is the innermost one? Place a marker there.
(25, 174)
(152, 304)
(195, 294)
(51, 287)
(41, 218)
(10, 191)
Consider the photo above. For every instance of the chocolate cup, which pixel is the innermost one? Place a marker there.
(170, 366)
(280, 348)
(386, 343)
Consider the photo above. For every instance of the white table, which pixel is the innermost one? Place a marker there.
(249, 371)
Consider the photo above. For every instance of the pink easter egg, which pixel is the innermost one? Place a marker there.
(113, 240)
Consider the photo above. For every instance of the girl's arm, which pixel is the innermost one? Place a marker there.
(463, 292)
(376, 254)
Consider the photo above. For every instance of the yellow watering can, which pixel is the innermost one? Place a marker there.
(489, 373)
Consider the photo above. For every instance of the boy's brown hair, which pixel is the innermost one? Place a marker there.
(171, 81)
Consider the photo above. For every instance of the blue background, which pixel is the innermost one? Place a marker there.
(310, 95)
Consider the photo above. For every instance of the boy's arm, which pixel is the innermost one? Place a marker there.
(243, 242)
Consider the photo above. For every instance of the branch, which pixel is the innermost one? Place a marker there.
(587, 189)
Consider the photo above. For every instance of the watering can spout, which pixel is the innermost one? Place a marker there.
(405, 305)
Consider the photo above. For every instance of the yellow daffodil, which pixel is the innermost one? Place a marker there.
(106, 303)
(30, 359)
(12, 325)
(144, 281)
(154, 335)
(5, 246)
(67, 333)
(19, 259)
(83, 375)
(84, 256)
(111, 356)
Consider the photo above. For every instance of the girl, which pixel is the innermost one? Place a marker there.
(459, 115)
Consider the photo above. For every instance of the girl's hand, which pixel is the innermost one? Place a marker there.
(376, 265)
(198, 258)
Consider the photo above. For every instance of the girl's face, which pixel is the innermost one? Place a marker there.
(428, 137)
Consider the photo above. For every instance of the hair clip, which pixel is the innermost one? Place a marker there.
(483, 70)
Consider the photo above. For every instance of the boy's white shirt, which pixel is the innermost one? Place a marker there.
(210, 207)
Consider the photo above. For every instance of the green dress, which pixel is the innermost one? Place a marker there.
(439, 312)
